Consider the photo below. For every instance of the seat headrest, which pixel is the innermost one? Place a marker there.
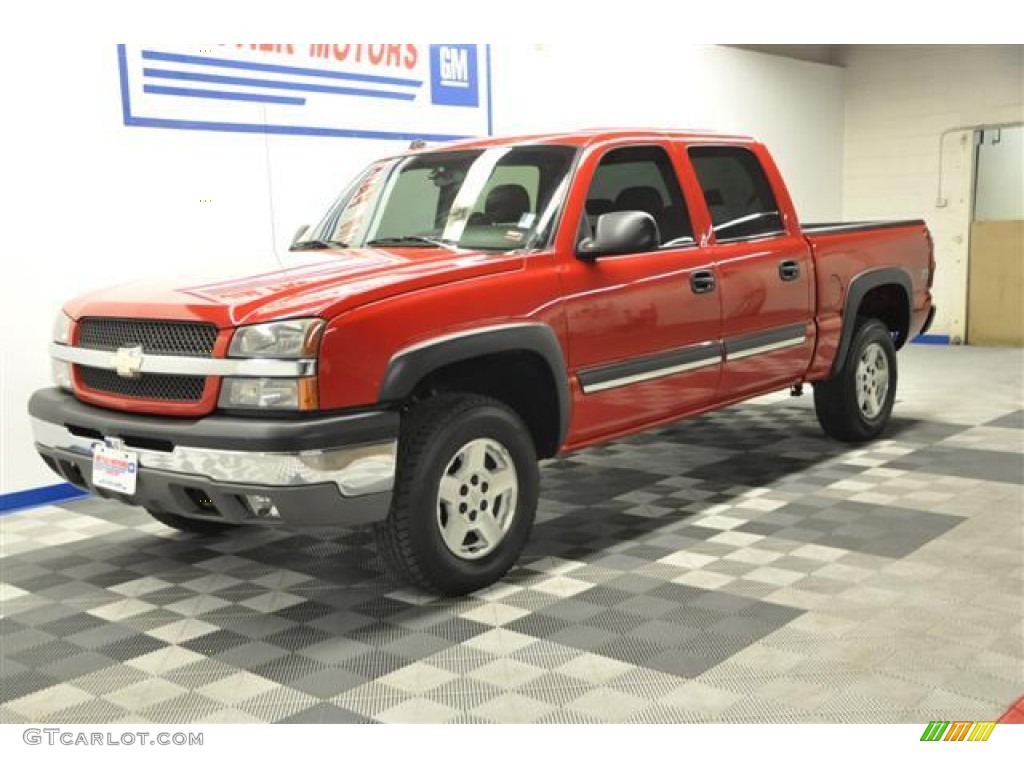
(646, 199)
(506, 203)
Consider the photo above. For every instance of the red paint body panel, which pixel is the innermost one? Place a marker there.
(324, 285)
(755, 300)
(632, 306)
(358, 345)
(841, 257)
(604, 313)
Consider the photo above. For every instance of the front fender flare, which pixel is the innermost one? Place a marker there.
(410, 365)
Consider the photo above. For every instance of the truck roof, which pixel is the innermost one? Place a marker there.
(585, 136)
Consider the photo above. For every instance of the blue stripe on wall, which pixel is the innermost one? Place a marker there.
(930, 338)
(202, 77)
(203, 93)
(36, 497)
(181, 58)
(199, 125)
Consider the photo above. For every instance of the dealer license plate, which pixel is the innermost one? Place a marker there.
(114, 470)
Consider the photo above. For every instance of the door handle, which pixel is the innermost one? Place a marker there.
(702, 281)
(789, 270)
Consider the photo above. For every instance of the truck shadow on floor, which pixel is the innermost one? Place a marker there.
(609, 502)
(314, 610)
(619, 503)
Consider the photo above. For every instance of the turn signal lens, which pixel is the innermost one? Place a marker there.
(61, 374)
(309, 394)
(270, 394)
(62, 329)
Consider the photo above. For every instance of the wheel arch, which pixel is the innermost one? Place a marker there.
(886, 294)
(457, 353)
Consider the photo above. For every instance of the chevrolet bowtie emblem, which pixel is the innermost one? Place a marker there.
(128, 362)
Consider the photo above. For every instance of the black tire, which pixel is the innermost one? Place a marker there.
(432, 435)
(191, 525)
(841, 413)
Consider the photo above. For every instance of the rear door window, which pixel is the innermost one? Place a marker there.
(737, 193)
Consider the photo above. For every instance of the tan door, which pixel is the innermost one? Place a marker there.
(995, 298)
(995, 295)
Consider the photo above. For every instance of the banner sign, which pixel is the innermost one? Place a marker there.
(403, 91)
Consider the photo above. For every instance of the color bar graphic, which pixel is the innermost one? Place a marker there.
(958, 730)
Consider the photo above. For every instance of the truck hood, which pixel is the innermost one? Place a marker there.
(322, 283)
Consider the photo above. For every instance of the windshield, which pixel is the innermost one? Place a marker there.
(501, 198)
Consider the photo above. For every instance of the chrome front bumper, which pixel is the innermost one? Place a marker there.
(355, 470)
(323, 471)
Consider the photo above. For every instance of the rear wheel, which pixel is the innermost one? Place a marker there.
(191, 525)
(465, 494)
(855, 405)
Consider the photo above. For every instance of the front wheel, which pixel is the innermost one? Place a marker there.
(465, 494)
(854, 406)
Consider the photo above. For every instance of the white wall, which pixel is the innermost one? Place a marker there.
(89, 202)
(795, 107)
(899, 102)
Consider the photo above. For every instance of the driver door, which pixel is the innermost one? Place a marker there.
(644, 328)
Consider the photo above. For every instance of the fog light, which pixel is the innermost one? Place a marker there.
(262, 506)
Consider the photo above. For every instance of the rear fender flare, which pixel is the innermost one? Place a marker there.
(859, 288)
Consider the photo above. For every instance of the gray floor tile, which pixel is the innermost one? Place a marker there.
(738, 567)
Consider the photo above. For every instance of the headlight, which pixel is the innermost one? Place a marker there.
(270, 394)
(285, 339)
(62, 329)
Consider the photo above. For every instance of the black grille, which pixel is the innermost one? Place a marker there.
(156, 337)
(149, 386)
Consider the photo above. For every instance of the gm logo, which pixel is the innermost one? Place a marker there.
(453, 76)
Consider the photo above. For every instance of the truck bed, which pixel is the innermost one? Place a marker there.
(842, 227)
(843, 251)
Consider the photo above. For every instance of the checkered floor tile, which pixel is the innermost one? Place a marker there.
(738, 567)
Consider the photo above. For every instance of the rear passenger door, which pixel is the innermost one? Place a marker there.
(642, 343)
(764, 270)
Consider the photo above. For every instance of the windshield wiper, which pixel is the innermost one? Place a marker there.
(413, 240)
(316, 245)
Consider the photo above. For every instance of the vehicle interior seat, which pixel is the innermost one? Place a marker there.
(598, 206)
(646, 199)
(677, 224)
(715, 201)
(505, 204)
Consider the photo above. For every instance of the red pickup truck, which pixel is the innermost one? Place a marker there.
(463, 311)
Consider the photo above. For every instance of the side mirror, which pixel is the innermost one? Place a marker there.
(300, 234)
(621, 232)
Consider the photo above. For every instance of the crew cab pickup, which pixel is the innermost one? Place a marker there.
(461, 312)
